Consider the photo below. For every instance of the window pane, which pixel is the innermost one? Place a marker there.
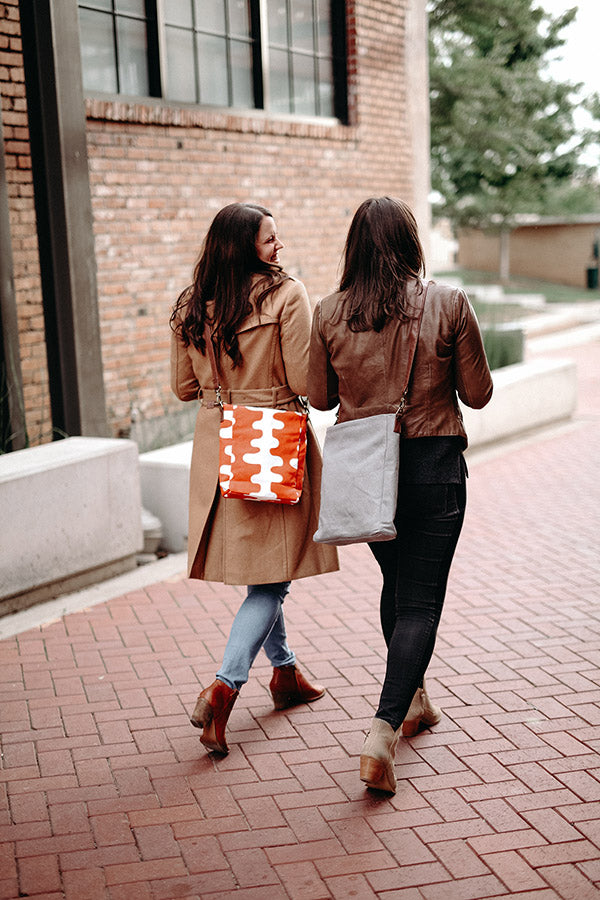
(98, 52)
(133, 56)
(180, 65)
(212, 66)
(279, 81)
(277, 21)
(302, 25)
(98, 4)
(324, 25)
(241, 74)
(178, 12)
(239, 20)
(134, 7)
(210, 15)
(304, 85)
(325, 88)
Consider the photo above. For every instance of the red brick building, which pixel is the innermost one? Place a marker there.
(127, 124)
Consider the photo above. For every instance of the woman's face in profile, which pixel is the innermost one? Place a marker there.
(268, 244)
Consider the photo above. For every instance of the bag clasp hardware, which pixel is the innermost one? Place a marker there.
(219, 400)
(400, 412)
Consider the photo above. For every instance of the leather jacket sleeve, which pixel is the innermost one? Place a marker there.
(323, 388)
(472, 374)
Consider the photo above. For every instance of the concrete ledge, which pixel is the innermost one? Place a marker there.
(73, 516)
(526, 396)
(165, 484)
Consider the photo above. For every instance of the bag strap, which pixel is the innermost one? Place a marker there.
(210, 404)
(412, 349)
(210, 350)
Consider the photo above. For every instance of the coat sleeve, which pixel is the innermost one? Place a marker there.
(323, 386)
(294, 332)
(184, 383)
(473, 377)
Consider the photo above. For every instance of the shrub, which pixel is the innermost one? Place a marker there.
(504, 346)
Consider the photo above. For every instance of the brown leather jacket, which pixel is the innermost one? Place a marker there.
(365, 371)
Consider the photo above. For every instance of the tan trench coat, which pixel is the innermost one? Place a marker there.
(243, 541)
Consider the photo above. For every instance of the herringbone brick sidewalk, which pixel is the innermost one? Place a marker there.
(106, 791)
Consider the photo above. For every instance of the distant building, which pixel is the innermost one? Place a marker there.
(560, 250)
(127, 125)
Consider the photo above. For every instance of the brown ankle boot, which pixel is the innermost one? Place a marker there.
(421, 713)
(289, 687)
(211, 713)
(377, 757)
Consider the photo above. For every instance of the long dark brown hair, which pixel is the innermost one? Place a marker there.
(223, 274)
(382, 253)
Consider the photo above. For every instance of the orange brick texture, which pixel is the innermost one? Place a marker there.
(26, 267)
(159, 174)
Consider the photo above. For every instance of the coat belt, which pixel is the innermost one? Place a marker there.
(272, 397)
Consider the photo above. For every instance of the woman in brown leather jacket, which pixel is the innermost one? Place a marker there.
(358, 360)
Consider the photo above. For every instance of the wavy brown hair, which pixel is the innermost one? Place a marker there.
(382, 253)
(224, 274)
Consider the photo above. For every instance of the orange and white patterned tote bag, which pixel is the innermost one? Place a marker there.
(262, 453)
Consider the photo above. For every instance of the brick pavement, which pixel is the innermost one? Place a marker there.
(106, 792)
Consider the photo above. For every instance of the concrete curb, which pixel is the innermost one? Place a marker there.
(45, 613)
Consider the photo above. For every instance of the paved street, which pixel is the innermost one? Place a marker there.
(106, 791)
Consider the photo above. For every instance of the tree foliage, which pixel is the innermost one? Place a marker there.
(503, 137)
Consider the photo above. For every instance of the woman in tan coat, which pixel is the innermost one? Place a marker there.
(259, 318)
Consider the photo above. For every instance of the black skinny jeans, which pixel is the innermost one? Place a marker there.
(415, 567)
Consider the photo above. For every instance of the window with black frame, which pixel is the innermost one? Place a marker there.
(284, 56)
(114, 46)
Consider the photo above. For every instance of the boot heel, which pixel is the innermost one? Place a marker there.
(203, 714)
(411, 727)
(289, 687)
(422, 713)
(372, 771)
(281, 701)
(377, 757)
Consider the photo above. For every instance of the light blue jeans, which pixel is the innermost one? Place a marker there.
(258, 623)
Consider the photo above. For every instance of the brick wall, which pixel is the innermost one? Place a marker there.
(477, 250)
(23, 228)
(159, 174)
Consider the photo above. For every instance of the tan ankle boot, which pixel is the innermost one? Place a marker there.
(289, 687)
(421, 714)
(211, 713)
(377, 757)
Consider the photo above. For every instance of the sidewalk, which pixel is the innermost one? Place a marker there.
(106, 791)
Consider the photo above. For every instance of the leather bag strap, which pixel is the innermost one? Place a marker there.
(412, 349)
(210, 350)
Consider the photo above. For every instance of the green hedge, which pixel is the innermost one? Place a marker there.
(503, 346)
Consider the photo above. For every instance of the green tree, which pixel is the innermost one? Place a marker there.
(503, 137)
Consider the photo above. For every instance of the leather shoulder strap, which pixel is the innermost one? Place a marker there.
(413, 338)
(210, 350)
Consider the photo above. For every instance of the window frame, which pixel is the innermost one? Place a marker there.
(156, 57)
